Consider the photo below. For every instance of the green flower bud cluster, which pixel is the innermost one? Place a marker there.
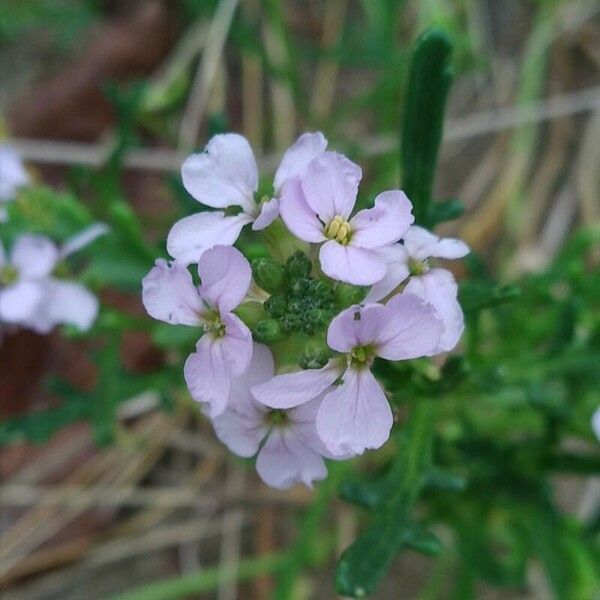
(298, 301)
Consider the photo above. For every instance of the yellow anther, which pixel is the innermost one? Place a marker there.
(339, 230)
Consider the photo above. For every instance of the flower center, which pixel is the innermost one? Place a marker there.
(277, 418)
(8, 275)
(339, 230)
(213, 324)
(360, 356)
(417, 267)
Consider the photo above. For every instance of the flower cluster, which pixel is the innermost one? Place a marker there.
(34, 292)
(283, 362)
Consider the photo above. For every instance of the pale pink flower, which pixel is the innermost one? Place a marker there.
(316, 207)
(356, 414)
(225, 348)
(226, 175)
(408, 263)
(12, 176)
(31, 297)
(289, 449)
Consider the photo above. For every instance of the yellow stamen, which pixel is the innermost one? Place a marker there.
(339, 230)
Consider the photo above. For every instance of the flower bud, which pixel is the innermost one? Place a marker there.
(291, 322)
(315, 355)
(269, 275)
(321, 289)
(347, 295)
(251, 313)
(268, 331)
(276, 306)
(299, 287)
(298, 266)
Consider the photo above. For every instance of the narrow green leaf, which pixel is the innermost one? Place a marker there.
(429, 80)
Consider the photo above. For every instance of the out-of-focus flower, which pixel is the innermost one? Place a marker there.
(32, 296)
(596, 423)
(226, 175)
(316, 207)
(289, 449)
(356, 415)
(409, 262)
(12, 176)
(225, 349)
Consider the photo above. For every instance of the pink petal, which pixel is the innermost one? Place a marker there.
(236, 344)
(450, 248)
(438, 288)
(358, 266)
(422, 244)
(242, 433)
(34, 256)
(396, 259)
(169, 294)
(207, 376)
(419, 242)
(330, 184)
(20, 301)
(383, 224)
(413, 329)
(65, 303)
(298, 217)
(284, 461)
(292, 389)
(269, 211)
(297, 157)
(225, 276)
(242, 426)
(191, 236)
(83, 239)
(225, 174)
(356, 326)
(303, 419)
(260, 370)
(355, 416)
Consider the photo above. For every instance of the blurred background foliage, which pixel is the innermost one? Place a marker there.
(489, 487)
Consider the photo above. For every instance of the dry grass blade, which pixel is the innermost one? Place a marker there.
(201, 87)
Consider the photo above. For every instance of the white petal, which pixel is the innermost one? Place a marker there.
(269, 211)
(438, 288)
(297, 157)
(65, 303)
(225, 276)
(383, 224)
(169, 294)
(355, 416)
(413, 329)
(225, 174)
(292, 389)
(20, 301)
(396, 259)
(34, 256)
(83, 238)
(358, 266)
(450, 248)
(191, 236)
(284, 461)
